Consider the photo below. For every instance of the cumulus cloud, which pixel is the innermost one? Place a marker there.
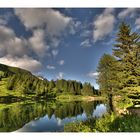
(54, 21)
(93, 74)
(60, 75)
(10, 44)
(130, 12)
(14, 50)
(38, 43)
(61, 62)
(86, 43)
(47, 26)
(24, 62)
(50, 67)
(103, 25)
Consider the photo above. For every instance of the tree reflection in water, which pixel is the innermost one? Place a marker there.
(43, 116)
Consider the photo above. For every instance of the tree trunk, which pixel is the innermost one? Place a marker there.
(111, 103)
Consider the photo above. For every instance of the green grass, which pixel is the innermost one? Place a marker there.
(77, 127)
(67, 97)
(108, 123)
(112, 123)
(123, 102)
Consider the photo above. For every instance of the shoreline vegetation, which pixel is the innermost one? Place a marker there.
(62, 98)
(79, 98)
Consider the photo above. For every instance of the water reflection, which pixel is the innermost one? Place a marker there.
(100, 110)
(46, 116)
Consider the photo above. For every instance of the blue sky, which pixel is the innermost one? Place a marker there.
(61, 43)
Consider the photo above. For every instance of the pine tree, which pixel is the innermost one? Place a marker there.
(127, 51)
(108, 77)
(87, 89)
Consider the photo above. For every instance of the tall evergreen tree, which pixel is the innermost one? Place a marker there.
(127, 51)
(108, 77)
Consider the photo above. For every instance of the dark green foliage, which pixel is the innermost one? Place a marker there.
(70, 86)
(108, 123)
(108, 74)
(87, 89)
(127, 51)
(29, 85)
(77, 127)
(120, 73)
(112, 123)
(11, 82)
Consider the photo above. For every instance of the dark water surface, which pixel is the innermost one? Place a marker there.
(50, 116)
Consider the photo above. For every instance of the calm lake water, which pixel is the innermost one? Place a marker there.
(50, 116)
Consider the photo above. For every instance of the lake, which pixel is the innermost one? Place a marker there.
(46, 116)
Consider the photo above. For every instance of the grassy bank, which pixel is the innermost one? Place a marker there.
(121, 121)
(68, 98)
(108, 123)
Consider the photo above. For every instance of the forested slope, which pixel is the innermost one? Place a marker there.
(22, 83)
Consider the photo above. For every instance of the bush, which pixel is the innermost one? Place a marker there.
(108, 123)
(103, 124)
(112, 123)
(77, 127)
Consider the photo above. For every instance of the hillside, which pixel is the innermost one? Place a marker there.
(16, 83)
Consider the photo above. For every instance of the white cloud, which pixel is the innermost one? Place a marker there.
(86, 43)
(60, 75)
(6, 33)
(50, 67)
(92, 74)
(130, 12)
(61, 62)
(54, 52)
(14, 51)
(137, 22)
(10, 44)
(55, 21)
(37, 42)
(103, 25)
(24, 62)
(47, 26)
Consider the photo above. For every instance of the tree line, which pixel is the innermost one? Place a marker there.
(28, 84)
